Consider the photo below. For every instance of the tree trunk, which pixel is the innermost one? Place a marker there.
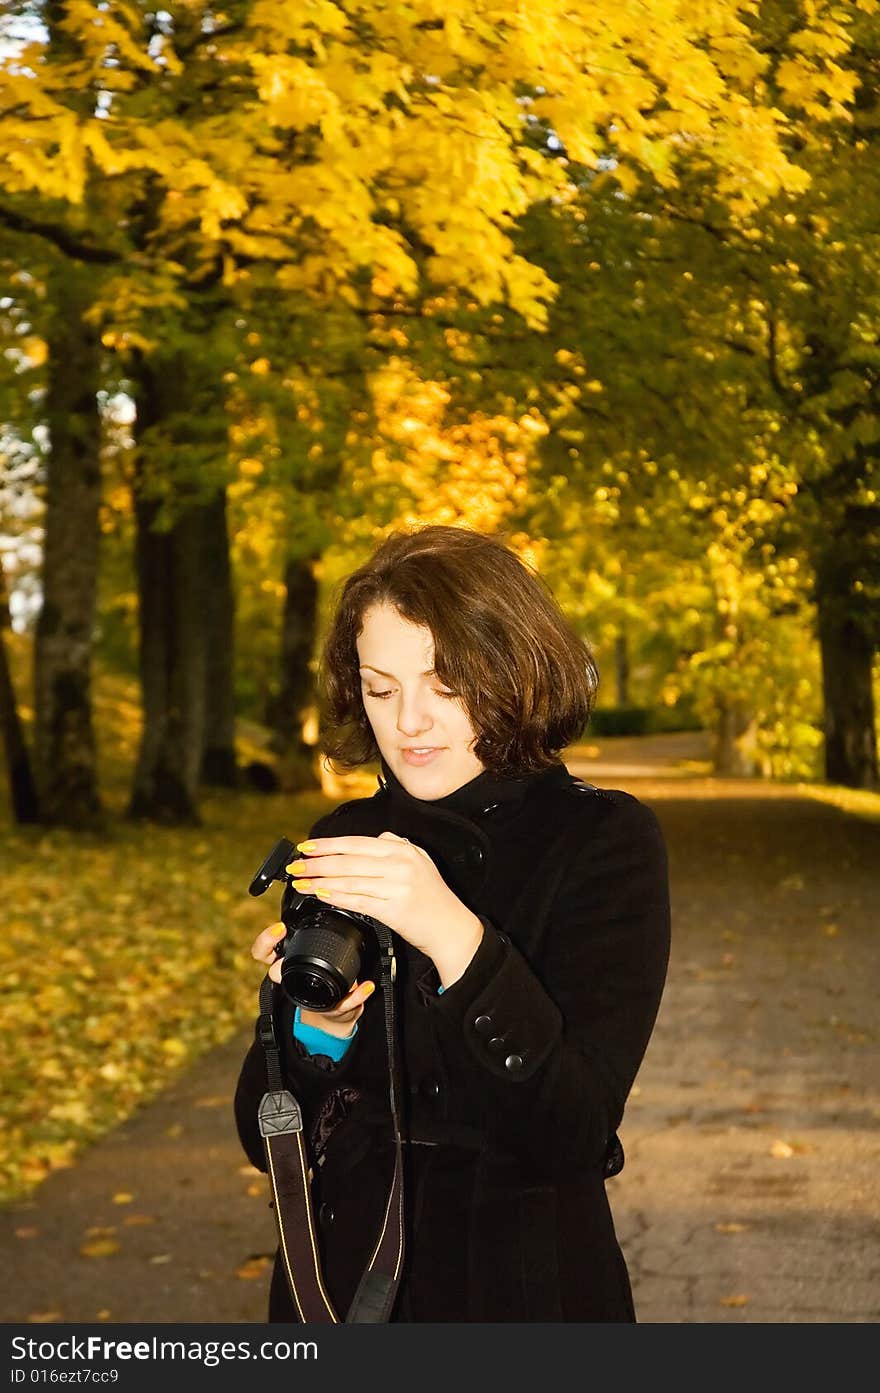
(733, 755)
(170, 571)
(22, 788)
(219, 767)
(621, 668)
(289, 710)
(64, 735)
(847, 662)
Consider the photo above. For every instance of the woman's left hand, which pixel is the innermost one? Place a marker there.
(396, 882)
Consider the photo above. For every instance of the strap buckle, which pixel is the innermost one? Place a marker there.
(279, 1113)
(266, 1032)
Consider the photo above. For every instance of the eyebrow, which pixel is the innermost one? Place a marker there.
(429, 673)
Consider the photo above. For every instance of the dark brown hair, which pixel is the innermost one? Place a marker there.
(526, 679)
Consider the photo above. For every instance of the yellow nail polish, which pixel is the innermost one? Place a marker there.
(302, 885)
(306, 846)
(369, 988)
(296, 868)
(322, 894)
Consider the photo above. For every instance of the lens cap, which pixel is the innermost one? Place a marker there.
(282, 853)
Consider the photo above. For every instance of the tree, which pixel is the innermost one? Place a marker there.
(374, 160)
(22, 785)
(64, 732)
(733, 346)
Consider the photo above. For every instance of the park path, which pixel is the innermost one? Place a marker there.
(751, 1190)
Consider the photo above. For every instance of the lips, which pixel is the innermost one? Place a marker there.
(420, 755)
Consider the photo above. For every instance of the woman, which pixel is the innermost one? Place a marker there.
(530, 916)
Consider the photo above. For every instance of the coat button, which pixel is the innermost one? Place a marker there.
(513, 1063)
(475, 856)
(326, 1215)
(496, 1044)
(490, 808)
(430, 1088)
(483, 1025)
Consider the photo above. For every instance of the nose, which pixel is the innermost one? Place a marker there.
(413, 716)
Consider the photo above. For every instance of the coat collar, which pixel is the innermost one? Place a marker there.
(485, 793)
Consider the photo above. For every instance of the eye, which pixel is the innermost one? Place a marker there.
(441, 691)
(380, 695)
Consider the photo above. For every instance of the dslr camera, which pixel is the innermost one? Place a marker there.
(325, 950)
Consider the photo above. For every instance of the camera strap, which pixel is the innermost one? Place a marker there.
(290, 1177)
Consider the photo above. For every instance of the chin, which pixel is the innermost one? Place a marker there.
(426, 783)
(432, 781)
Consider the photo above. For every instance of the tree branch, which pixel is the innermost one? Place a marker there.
(60, 238)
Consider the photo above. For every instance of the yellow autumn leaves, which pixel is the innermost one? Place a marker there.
(122, 962)
(328, 141)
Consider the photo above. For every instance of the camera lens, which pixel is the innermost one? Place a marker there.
(322, 961)
(311, 990)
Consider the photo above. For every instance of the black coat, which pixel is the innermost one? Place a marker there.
(516, 1077)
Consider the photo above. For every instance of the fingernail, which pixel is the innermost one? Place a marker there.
(296, 868)
(302, 885)
(322, 894)
(306, 846)
(369, 988)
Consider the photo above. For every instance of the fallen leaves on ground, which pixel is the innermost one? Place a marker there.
(145, 979)
(791, 882)
(100, 1248)
(253, 1267)
(737, 1299)
(783, 1149)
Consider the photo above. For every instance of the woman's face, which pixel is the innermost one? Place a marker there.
(423, 732)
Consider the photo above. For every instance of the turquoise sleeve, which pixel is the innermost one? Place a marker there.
(317, 1041)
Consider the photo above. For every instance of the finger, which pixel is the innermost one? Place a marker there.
(339, 890)
(263, 946)
(352, 999)
(334, 846)
(351, 1006)
(363, 992)
(307, 867)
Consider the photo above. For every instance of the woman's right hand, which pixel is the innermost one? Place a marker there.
(340, 1020)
